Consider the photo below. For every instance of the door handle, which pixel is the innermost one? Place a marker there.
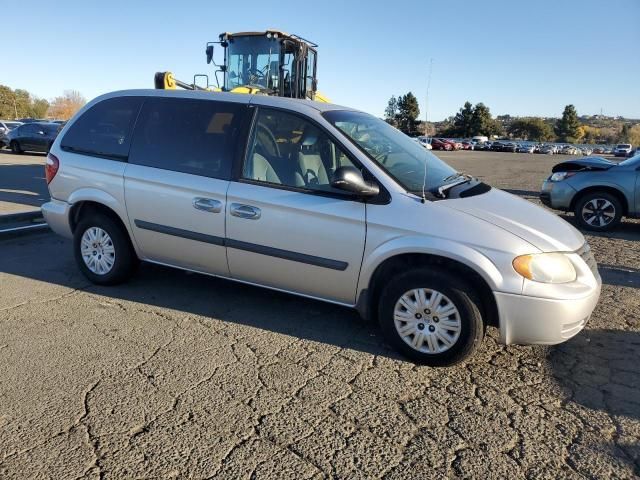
(207, 204)
(245, 211)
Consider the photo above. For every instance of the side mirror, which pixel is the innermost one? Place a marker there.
(349, 179)
(209, 52)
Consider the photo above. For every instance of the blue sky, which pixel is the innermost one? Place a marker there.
(522, 58)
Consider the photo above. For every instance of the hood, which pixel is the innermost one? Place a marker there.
(585, 163)
(541, 228)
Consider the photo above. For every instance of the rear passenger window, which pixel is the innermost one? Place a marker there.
(105, 129)
(189, 136)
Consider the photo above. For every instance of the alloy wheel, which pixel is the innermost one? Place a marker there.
(598, 212)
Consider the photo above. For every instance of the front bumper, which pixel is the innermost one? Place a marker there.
(56, 213)
(557, 195)
(528, 320)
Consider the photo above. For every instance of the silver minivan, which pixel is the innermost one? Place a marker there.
(320, 201)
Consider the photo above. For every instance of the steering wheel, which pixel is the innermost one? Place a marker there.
(255, 75)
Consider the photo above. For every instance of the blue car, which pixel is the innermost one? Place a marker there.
(32, 137)
(598, 191)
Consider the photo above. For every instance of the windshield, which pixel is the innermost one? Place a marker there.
(253, 60)
(403, 158)
(624, 145)
(12, 125)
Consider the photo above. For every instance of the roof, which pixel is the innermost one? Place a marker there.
(267, 100)
(280, 33)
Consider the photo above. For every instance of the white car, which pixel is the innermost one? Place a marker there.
(320, 201)
(623, 150)
(5, 127)
(425, 142)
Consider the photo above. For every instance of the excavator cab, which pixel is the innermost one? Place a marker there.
(271, 63)
(267, 63)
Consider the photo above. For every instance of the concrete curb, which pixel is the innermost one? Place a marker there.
(21, 223)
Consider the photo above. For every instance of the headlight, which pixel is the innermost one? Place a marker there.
(559, 176)
(545, 267)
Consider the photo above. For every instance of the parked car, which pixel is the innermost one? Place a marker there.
(598, 191)
(425, 142)
(314, 208)
(510, 147)
(526, 148)
(585, 151)
(622, 150)
(547, 149)
(33, 120)
(5, 127)
(441, 144)
(467, 145)
(34, 137)
(569, 150)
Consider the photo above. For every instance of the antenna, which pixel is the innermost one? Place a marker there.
(426, 125)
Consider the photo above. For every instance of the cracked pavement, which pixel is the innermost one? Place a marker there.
(178, 375)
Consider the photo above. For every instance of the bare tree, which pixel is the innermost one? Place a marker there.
(67, 105)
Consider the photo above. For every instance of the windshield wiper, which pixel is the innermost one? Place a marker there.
(452, 176)
(448, 186)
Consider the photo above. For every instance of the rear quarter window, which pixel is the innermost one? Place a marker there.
(189, 136)
(105, 129)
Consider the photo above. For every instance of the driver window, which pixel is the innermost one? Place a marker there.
(286, 149)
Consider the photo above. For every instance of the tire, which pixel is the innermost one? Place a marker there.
(607, 208)
(15, 147)
(120, 265)
(422, 321)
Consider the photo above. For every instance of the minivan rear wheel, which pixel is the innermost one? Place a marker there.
(103, 251)
(431, 317)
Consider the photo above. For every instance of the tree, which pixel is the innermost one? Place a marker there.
(67, 105)
(568, 127)
(391, 112)
(482, 123)
(408, 112)
(624, 133)
(39, 108)
(531, 129)
(462, 122)
(634, 135)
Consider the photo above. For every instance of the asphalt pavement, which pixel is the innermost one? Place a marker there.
(179, 375)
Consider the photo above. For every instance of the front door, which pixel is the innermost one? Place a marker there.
(177, 179)
(27, 137)
(287, 228)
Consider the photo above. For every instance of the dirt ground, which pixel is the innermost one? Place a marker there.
(178, 375)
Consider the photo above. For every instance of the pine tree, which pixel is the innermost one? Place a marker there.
(391, 112)
(568, 127)
(408, 111)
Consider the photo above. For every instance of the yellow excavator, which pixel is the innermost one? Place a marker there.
(264, 63)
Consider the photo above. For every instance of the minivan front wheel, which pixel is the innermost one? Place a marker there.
(431, 317)
(102, 250)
